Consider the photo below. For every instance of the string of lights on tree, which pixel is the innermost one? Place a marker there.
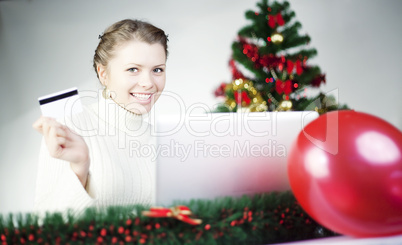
(269, 65)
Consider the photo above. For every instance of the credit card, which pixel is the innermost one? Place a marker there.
(61, 104)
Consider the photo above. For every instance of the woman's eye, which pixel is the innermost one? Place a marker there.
(158, 70)
(132, 69)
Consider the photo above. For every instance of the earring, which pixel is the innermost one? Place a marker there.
(106, 93)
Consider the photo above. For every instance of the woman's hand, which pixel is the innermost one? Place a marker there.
(64, 144)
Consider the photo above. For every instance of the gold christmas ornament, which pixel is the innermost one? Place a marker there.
(285, 105)
(321, 110)
(276, 38)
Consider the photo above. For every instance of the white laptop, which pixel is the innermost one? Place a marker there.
(214, 155)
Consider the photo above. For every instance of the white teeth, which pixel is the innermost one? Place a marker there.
(142, 96)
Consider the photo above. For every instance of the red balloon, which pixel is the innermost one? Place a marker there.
(345, 170)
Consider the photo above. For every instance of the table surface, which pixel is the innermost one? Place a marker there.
(345, 240)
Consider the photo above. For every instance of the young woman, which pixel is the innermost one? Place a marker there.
(87, 160)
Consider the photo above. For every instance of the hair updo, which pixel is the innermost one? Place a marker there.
(123, 31)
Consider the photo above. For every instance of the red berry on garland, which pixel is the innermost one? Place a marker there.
(120, 230)
(31, 237)
(103, 232)
(128, 239)
(99, 239)
(142, 241)
(128, 222)
(114, 240)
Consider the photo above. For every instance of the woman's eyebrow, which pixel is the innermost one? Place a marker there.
(130, 64)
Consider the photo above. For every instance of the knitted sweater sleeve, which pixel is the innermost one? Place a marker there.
(58, 188)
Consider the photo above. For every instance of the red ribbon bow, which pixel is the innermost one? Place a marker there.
(272, 19)
(283, 87)
(181, 213)
(290, 65)
(242, 96)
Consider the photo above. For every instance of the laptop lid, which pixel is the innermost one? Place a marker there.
(213, 155)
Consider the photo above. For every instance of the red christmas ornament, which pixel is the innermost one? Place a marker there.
(345, 170)
(280, 67)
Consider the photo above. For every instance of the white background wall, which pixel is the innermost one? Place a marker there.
(47, 45)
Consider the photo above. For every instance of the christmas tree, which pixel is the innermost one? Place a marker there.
(269, 66)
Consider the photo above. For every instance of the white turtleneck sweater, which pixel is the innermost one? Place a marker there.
(118, 174)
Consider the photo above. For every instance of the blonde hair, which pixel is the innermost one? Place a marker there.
(123, 31)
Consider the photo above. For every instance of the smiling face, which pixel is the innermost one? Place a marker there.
(135, 75)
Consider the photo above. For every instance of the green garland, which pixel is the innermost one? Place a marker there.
(262, 219)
